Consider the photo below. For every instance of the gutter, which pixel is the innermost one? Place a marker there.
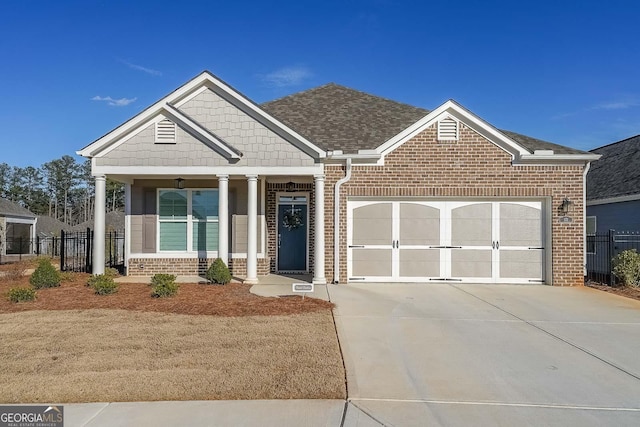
(584, 216)
(336, 220)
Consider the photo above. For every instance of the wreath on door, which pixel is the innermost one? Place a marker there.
(292, 219)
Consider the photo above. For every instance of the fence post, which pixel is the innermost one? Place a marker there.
(612, 234)
(37, 245)
(62, 245)
(87, 263)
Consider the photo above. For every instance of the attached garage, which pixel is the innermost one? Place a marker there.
(477, 241)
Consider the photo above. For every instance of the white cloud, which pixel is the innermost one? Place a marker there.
(619, 105)
(288, 76)
(606, 106)
(141, 68)
(114, 102)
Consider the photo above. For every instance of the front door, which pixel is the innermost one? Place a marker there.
(292, 233)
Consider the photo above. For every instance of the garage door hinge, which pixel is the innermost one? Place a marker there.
(356, 246)
(356, 278)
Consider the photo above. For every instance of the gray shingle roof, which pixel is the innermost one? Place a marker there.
(617, 172)
(339, 118)
(335, 117)
(47, 226)
(8, 208)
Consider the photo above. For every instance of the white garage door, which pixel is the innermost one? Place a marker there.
(469, 241)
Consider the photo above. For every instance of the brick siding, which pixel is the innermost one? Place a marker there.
(467, 168)
(190, 266)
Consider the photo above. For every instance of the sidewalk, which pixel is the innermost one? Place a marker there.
(264, 413)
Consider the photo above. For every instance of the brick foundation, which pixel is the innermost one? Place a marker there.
(190, 266)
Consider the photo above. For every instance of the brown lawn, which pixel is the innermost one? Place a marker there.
(207, 342)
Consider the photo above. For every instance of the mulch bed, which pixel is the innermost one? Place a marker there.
(233, 299)
(624, 291)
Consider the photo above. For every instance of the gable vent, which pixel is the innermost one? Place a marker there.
(448, 129)
(165, 132)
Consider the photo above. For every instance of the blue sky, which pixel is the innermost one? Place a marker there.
(564, 71)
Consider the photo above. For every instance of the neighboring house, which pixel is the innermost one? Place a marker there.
(49, 227)
(344, 185)
(17, 228)
(114, 221)
(613, 188)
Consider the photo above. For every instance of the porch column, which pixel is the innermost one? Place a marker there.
(98, 225)
(252, 231)
(127, 224)
(223, 218)
(318, 250)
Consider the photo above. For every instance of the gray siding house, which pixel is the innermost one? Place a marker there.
(17, 228)
(613, 188)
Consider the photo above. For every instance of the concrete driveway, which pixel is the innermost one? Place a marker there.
(499, 355)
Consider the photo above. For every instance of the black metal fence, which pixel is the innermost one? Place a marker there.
(74, 249)
(602, 248)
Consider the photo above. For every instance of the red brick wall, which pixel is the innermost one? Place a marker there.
(470, 167)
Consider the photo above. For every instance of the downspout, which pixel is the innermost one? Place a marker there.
(336, 221)
(584, 217)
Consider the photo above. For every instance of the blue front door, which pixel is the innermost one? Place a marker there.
(292, 237)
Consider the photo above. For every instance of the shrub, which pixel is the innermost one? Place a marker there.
(219, 273)
(21, 294)
(626, 267)
(103, 284)
(45, 275)
(164, 285)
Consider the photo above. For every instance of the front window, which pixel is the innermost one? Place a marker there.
(188, 220)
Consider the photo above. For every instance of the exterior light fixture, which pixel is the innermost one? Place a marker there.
(565, 205)
(178, 183)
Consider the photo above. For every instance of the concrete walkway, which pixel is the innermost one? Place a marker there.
(460, 355)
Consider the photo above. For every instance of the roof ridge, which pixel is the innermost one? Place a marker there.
(614, 143)
(311, 89)
(333, 84)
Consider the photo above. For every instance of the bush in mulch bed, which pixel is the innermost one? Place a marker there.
(103, 284)
(21, 294)
(45, 275)
(219, 273)
(164, 285)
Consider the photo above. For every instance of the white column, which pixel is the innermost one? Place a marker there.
(318, 250)
(127, 224)
(252, 231)
(223, 218)
(98, 225)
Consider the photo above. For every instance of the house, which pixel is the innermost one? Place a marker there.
(17, 229)
(342, 184)
(613, 188)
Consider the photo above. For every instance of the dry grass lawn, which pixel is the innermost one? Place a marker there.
(121, 355)
(205, 343)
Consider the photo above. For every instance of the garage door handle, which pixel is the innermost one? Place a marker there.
(497, 245)
(493, 245)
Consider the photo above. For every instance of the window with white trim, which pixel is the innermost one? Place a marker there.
(165, 132)
(188, 220)
(448, 129)
(590, 231)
